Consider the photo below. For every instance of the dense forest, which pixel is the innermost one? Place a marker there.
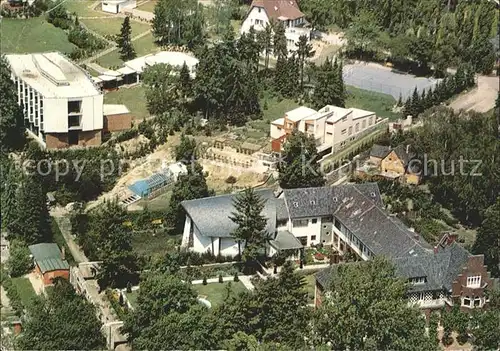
(418, 34)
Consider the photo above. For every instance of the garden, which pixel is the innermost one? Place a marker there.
(112, 26)
(217, 293)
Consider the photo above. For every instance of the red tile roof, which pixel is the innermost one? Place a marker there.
(288, 9)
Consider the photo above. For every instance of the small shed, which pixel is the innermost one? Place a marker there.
(49, 262)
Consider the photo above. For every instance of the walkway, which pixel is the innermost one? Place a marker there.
(245, 280)
(111, 49)
(106, 312)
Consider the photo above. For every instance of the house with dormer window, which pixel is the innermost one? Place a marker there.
(351, 219)
(263, 12)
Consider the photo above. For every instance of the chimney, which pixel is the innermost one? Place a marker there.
(407, 149)
(436, 249)
(63, 253)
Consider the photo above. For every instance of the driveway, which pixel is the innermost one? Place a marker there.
(480, 99)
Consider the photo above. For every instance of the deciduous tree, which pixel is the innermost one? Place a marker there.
(368, 310)
(488, 239)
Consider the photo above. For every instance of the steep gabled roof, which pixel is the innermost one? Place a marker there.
(275, 9)
(404, 156)
(379, 151)
(211, 215)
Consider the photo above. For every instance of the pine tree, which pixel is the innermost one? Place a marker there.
(265, 40)
(281, 75)
(408, 108)
(127, 51)
(400, 101)
(423, 100)
(251, 230)
(329, 89)
(303, 52)
(10, 220)
(416, 106)
(185, 83)
(279, 40)
(299, 167)
(32, 212)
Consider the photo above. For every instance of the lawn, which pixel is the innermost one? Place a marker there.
(142, 46)
(276, 109)
(132, 297)
(134, 97)
(81, 8)
(146, 244)
(379, 103)
(112, 26)
(32, 35)
(25, 290)
(216, 293)
(147, 6)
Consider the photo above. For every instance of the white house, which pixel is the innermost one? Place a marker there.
(117, 6)
(329, 126)
(62, 105)
(347, 217)
(262, 12)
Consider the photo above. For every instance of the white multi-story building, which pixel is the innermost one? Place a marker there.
(62, 106)
(329, 126)
(262, 12)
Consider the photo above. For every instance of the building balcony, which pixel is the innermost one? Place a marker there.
(433, 303)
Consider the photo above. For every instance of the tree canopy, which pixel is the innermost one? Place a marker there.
(61, 321)
(299, 167)
(368, 309)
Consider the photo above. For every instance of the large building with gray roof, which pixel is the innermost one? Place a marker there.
(350, 218)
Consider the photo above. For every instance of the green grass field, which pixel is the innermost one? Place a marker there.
(142, 46)
(276, 109)
(148, 6)
(133, 97)
(32, 35)
(379, 103)
(216, 292)
(25, 290)
(132, 297)
(145, 243)
(111, 26)
(81, 8)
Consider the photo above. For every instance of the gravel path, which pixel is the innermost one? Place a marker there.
(480, 99)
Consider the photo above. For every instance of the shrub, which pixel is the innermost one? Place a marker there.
(19, 261)
(129, 287)
(220, 279)
(236, 279)
(205, 280)
(231, 180)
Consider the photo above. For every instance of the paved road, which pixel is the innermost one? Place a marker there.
(65, 226)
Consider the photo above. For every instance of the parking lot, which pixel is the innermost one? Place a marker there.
(381, 79)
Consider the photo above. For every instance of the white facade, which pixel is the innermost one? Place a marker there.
(225, 246)
(259, 19)
(117, 6)
(329, 126)
(57, 95)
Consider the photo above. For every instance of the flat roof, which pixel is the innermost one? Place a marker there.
(53, 75)
(172, 58)
(279, 121)
(358, 113)
(111, 109)
(300, 113)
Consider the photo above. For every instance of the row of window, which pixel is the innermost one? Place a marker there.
(31, 100)
(468, 301)
(356, 127)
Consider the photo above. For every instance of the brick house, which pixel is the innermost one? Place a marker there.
(395, 163)
(49, 262)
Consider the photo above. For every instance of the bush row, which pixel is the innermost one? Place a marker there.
(11, 291)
